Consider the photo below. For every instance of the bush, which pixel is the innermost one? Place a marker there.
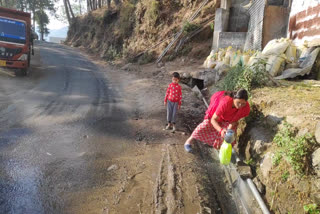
(295, 149)
(245, 77)
(152, 13)
(127, 17)
(189, 27)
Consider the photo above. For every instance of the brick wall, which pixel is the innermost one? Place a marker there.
(304, 22)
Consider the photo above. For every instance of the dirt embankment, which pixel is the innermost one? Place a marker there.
(143, 27)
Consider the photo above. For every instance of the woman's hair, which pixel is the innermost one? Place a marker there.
(240, 94)
(176, 75)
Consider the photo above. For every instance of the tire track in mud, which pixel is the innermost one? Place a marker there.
(168, 197)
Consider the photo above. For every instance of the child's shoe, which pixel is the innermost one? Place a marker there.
(174, 128)
(168, 127)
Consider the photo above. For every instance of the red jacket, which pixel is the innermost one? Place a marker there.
(174, 93)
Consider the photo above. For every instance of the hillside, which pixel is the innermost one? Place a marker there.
(145, 26)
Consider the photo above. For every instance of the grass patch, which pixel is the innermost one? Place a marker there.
(294, 149)
(152, 13)
(245, 77)
(127, 19)
(189, 27)
(311, 209)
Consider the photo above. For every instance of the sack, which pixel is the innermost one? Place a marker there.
(275, 64)
(291, 53)
(276, 47)
(236, 59)
(244, 59)
(228, 56)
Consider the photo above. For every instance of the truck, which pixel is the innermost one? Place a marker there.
(16, 40)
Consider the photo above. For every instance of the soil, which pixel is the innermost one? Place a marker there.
(157, 175)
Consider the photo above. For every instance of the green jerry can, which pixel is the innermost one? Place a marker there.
(226, 148)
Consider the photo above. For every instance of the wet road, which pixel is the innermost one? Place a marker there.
(58, 128)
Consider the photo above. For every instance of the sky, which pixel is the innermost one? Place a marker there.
(54, 22)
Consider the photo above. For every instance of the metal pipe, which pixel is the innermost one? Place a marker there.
(257, 196)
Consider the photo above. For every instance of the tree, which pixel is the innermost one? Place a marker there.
(42, 20)
(68, 11)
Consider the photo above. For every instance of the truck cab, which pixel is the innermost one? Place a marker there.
(15, 40)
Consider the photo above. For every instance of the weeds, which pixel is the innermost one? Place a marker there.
(127, 18)
(285, 176)
(295, 149)
(245, 77)
(189, 27)
(152, 13)
(311, 209)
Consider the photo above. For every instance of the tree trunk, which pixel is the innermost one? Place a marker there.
(70, 9)
(67, 11)
(99, 4)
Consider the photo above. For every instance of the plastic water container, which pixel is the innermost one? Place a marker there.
(226, 148)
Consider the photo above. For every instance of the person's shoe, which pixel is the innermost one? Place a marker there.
(174, 128)
(168, 127)
(188, 147)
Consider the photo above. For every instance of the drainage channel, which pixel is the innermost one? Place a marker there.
(244, 191)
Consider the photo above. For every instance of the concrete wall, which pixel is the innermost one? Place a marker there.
(238, 20)
(220, 25)
(234, 39)
(304, 23)
(275, 23)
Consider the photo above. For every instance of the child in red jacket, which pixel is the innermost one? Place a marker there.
(173, 101)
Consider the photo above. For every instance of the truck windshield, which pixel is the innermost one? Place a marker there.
(12, 31)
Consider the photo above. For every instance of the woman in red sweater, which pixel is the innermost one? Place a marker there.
(225, 110)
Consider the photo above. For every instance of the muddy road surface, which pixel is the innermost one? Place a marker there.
(76, 137)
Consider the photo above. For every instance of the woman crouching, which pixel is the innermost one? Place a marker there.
(225, 110)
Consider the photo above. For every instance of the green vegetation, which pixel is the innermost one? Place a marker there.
(245, 77)
(189, 27)
(285, 176)
(127, 18)
(146, 58)
(152, 13)
(311, 209)
(294, 149)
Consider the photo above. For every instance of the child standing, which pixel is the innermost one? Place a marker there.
(173, 101)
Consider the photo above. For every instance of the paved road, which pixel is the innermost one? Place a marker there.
(58, 128)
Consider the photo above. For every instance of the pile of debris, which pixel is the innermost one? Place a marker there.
(283, 59)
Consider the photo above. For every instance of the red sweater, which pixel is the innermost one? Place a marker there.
(174, 93)
(222, 106)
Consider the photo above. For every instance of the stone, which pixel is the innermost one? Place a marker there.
(260, 187)
(112, 167)
(316, 197)
(259, 147)
(244, 170)
(316, 161)
(316, 158)
(266, 164)
(273, 120)
(317, 133)
(126, 67)
(302, 132)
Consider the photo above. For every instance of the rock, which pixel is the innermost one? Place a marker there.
(244, 170)
(163, 69)
(259, 147)
(261, 188)
(273, 120)
(126, 67)
(186, 75)
(317, 133)
(302, 132)
(266, 164)
(316, 197)
(112, 167)
(316, 161)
